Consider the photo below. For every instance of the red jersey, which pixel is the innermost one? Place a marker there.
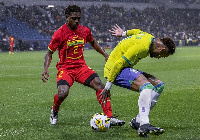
(11, 40)
(70, 44)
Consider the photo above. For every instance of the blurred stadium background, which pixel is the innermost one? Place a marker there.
(32, 22)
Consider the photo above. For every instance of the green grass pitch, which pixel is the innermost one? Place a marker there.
(25, 101)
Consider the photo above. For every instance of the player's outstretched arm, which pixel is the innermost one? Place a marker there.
(116, 31)
(99, 49)
(47, 61)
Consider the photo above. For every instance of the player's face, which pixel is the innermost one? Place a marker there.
(73, 20)
(160, 52)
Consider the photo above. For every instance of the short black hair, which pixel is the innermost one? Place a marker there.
(72, 8)
(170, 44)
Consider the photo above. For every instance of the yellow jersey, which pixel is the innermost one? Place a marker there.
(128, 52)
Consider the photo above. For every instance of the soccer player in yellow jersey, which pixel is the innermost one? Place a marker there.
(119, 71)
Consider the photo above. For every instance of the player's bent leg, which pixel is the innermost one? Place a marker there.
(157, 90)
(99, 86)
(144, 102)
(157, 86)
(106, 109)
(141, 122)
(63, 91)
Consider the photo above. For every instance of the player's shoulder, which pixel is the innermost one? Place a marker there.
(82, 27)
(61, 30)
(63, 27)
(58, 31)
(149, 34)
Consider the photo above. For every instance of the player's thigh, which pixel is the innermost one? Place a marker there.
(130, 78)
(65, 77)
(152, 79)
(138, 82)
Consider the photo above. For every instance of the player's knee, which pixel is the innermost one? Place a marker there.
(97, 84)
(63, 92)
(159, 87)
(146, 85)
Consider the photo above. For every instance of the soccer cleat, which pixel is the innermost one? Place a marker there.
(146, 129)
(53, 116)
(135, 125)
(156, 131)
(143, 130)
(153, 130)
(115, 122)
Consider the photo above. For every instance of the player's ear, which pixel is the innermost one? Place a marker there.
(163, 49)
(67, 19)
(160, 48)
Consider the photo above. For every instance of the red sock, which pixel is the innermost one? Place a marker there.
(106, 109)
(57, 103)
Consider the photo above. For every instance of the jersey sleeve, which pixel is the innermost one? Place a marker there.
(55, 42)
(133, 32)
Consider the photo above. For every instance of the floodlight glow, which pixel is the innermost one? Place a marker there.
(50, 6)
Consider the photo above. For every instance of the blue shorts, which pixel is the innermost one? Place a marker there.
(126, 77)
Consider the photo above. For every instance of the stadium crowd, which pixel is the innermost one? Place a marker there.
(178, 24)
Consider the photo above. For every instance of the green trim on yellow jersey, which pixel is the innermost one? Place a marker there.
(151, 43)
(130, 63)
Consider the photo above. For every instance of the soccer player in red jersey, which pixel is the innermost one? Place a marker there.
(70, 40)
(11, 41)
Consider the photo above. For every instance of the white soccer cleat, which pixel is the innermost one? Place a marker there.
(115, 122)
(53, 117)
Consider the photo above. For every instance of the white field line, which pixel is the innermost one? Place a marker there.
(27, 74)
(4, 66)
(17, 75)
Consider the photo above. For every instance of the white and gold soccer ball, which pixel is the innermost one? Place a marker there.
(100, 122)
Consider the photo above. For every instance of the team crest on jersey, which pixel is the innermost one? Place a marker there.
(76, 40)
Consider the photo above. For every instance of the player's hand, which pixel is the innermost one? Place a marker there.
(104, 96)
(45, 76)
(116, 31)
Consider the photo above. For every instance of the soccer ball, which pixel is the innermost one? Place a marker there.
(100, 122)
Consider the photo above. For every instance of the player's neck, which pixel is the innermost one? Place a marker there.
(71, 28)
